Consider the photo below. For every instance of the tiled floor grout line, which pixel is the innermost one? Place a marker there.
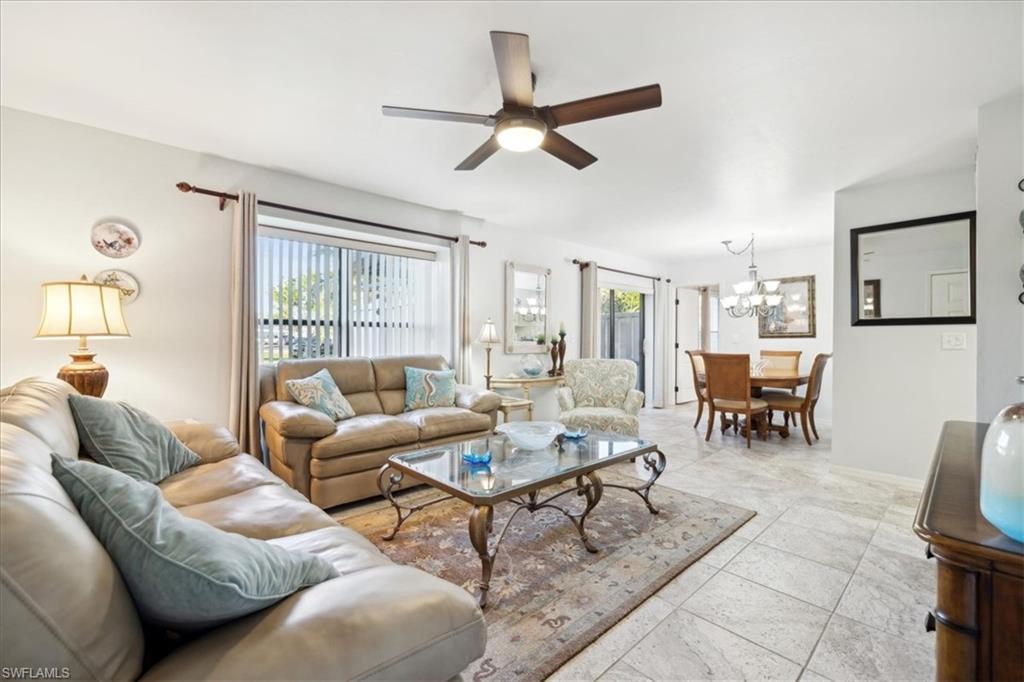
(840, 600)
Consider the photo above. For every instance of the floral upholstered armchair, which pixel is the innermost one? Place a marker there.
(600, 395)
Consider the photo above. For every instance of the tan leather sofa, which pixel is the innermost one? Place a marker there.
(336, 462)
(66, 614)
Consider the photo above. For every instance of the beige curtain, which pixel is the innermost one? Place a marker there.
(462, 339)
(245, 388)
(664, 344)
(590, 311)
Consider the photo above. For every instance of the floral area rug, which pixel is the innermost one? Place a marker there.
(549, 596)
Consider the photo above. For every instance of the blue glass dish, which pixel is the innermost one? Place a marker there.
(477, 457)
(576, 435)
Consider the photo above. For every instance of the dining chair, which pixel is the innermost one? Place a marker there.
(728, 385)
(699, 386)
(787, 402)
(788, 360)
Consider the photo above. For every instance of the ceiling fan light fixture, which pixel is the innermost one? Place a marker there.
(520, 134)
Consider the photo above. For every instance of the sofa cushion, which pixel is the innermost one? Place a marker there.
(390, 377)
(354, 376)
(365, 432)
(40, 406)
(182, 573)
(320, 393)
(438, 422)
(262, 512)
(213, 481)
(342, 547)
(386, 623)
(127, 439)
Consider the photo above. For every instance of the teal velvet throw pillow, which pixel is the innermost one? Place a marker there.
(129, 440)
(321, 392)
(182, 573)
(429, 388)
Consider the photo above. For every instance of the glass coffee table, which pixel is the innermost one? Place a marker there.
(517, 477)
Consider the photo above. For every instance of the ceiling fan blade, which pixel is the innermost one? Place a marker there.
(481, 154)
(613, 104)
(435, 115)
(560, 147)
(512, 55)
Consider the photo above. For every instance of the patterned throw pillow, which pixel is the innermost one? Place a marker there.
(321, 393)
(429, 388)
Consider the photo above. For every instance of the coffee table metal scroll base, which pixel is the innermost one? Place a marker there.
(481, 520)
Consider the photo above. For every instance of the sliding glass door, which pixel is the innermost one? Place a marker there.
(623, 328)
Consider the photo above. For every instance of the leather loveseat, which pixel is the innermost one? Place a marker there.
(336, 462)
(65, 612)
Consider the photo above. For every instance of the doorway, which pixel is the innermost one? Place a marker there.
(696, 329)
(624, 328)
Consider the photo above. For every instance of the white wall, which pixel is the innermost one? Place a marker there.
(740, 335)
(57, 179)
(894, 387)
(1000, 254)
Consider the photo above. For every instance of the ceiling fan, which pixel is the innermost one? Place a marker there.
(519, 125)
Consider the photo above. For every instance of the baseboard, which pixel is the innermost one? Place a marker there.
(879, 476)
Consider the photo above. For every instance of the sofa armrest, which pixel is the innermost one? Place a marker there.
(477, 399)
(211, 442)
(634, 401)
(292, 420)
(391, 623)
(565, 400)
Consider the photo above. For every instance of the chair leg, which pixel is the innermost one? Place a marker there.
(750, 427)
(735, 423)
(700, 411)
(814, 429)
(711, 422)
(785, 419)
(804, 426)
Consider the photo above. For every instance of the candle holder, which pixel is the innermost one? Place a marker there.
(554, 358)
(561, 353)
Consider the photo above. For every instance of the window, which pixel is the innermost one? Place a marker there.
(623, 327)
(320, 296)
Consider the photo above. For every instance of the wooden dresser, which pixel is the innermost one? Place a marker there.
(979, 606)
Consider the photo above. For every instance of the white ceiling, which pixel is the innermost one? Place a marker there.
(768, 107)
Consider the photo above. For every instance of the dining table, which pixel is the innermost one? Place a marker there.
(768, 377)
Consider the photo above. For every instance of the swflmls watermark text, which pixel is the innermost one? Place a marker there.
(28, 673)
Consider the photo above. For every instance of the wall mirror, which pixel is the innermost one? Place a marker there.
(914, 272)
(527, 301)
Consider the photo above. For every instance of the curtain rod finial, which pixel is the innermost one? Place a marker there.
(184, 187)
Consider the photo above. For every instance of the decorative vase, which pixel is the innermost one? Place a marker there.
(554, 358)
(561, 353)
(1002, 472)
(530, 366)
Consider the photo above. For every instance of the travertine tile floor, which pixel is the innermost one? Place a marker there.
(828, 581)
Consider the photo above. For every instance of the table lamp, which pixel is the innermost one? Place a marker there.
(489, 339)
(83, 309)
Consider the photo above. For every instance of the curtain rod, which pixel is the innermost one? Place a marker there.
(225, 197)
(583, 264)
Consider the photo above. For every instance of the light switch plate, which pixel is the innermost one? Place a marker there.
(954, 341)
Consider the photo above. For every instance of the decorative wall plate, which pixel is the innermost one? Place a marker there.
(128, 285)
(115, 240)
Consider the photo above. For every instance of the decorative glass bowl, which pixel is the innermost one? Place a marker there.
(577, 434)
(531, 435)
(1002, 472)
(477, 457)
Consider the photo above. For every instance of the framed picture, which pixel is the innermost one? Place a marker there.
(794, 318)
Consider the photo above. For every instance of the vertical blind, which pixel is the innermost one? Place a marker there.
(320, 299)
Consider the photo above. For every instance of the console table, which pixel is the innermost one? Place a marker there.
(979, 609)
(526, 383)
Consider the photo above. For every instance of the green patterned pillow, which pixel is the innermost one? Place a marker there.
(321, 393)
(429, 388)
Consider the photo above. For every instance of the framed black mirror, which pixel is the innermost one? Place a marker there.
(914, 272)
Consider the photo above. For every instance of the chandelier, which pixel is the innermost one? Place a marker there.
(753, 296)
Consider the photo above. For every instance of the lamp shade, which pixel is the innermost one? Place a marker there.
(81, 308)
(489, 334)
